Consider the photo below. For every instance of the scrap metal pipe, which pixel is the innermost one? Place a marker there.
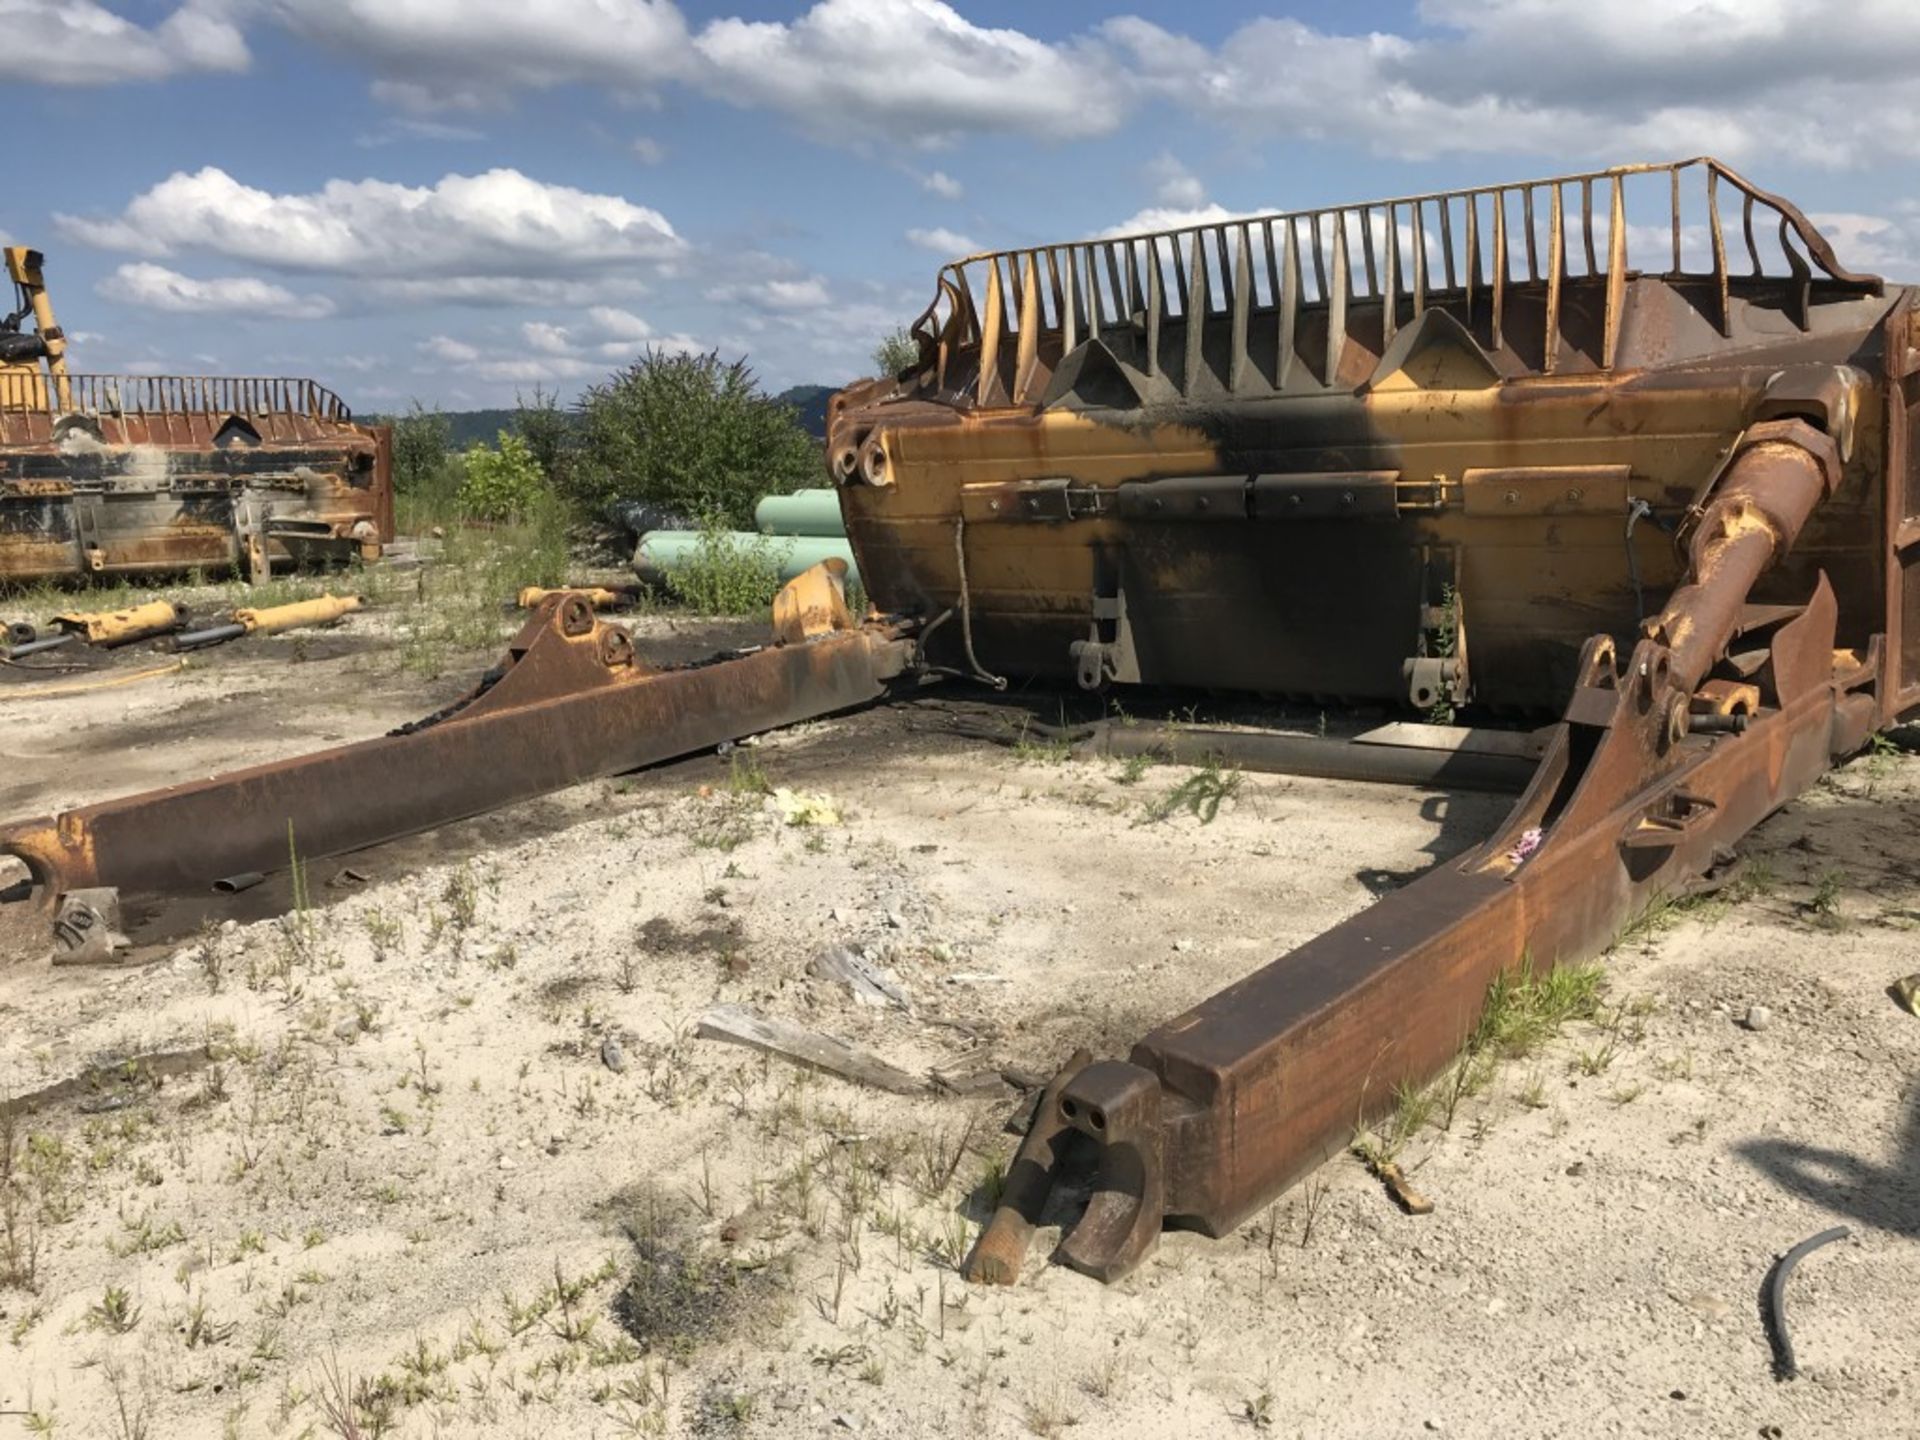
(212, 635)
(1782, 470)
(323, 610)
(34, 647)
(1323, 758)
(804, 512)
(123, 627)
(662, 553)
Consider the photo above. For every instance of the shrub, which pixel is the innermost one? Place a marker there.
(502, 484)
(727, 577)
(420, 440)
(896, 352)
(687, 433)
(550, 433)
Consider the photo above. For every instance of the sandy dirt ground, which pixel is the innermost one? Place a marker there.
(459, 1164)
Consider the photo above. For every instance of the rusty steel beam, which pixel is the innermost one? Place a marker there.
(1221, 1108)
(572, 702)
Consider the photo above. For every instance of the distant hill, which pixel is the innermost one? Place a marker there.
(467, 428)
(810, 402)
(482, 427)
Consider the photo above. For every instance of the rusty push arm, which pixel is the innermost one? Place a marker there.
(1223, 1107)
(571, 702)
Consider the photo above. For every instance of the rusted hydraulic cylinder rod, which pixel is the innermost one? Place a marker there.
(1781, 472)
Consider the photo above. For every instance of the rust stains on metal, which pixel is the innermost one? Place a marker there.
(1458, 448)
(570, 703)
(124, 475)
(1432, 450)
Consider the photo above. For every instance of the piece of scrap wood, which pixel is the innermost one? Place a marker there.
(869, 983)
(743, 1025)
(969, 1082)
(1404, 1195)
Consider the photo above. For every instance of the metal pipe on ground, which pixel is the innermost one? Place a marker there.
(200, 639)
(804, 512)
(662, 553)
(1460, 768)
(34, 647)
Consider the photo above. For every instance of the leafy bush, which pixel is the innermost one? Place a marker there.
(420, 440)
(688, 433)
(502, 484)
(550, 433)
(896, 352)
(726, 577)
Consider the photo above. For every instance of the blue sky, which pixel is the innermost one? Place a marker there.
(458, 200)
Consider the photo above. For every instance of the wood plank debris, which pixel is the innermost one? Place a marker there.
(743, 1025)
(869, 984)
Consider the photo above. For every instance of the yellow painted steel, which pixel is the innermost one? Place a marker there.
(813, 603)
(322, 611)
(596, 596)
(117, 627)
(23, 268)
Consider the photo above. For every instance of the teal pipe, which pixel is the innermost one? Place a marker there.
(804, 512)
(661, 552)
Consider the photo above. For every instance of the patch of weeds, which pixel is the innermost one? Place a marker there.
(1046, 1414)
(141, 1236)
(19, 1236)
(385, 933)
(726, 577)
(200, 1328)
(1524, 1011)
(746, 776)
(1596, 1061)
(1257, 1409)
(1200, 795)
(1134, 768)
(1823, 906)
(461, 896)
(114, 1311)
(724, 1409)
(1533, 1094)
(1032, 747)
(674, 1299)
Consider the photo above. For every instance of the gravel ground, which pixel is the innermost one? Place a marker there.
(460, 1156)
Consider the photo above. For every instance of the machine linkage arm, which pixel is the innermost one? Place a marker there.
(1222, 1108)
(571, 702)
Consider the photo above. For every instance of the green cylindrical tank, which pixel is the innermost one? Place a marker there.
(663, 551)
(804, 512)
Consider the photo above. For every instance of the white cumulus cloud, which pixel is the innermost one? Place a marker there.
(1171, 217)
(938, 182)
(805, 294)
(913, 70)
(154, 287)
(950, 244)
(501, 223)
(1174, 184)
(430, 55)
(80, 42)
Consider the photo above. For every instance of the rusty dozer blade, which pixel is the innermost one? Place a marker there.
(571, 702)
(1220, 1109)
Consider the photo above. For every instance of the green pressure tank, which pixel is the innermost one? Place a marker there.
(804, 512)
(662, 552)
